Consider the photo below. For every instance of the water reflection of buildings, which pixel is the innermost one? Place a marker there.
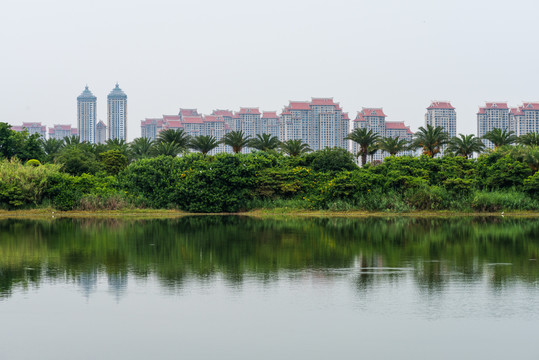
(88, 282)
(117, 284)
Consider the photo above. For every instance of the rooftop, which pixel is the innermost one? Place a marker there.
(440, 105)
(86, 95)
(117, 93)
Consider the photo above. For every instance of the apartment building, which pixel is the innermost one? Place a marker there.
(524, 119)
(375, 119)
(32, 128)
(86, 115)
(494, 115)
(117, 114)
(61, 131)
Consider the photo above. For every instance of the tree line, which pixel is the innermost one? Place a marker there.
(70, 174)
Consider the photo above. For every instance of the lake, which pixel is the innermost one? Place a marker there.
(232, 287)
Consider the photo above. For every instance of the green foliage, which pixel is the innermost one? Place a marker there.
(78, 159)
(51, 148)
(529, 139)
(19, 144)
(179, 137)
(113, 161)
(237, 140)
(23, 185)
(141, 148)
(204, 143)
(465, 145)
(502, 200)
(506, 172)
(500, 137)
(430, 139)
(332, 159)
(531, 185)
(33, 162)
(366, 139)
(66, 191)
(223, 185)
(152, 180)
(393, 145)
(295, 147)
(265, 142)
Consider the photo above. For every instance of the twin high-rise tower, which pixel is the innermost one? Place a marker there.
(116, 116)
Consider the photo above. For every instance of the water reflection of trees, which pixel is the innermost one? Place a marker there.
(234, 247)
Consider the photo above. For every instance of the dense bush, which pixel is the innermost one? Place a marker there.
(326, 180)
(66, 192)
(24, 184)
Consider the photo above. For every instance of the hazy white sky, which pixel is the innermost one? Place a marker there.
(394, 54)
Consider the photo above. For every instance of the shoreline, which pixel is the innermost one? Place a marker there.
(260, 213)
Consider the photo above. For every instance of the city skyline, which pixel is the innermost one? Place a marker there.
(416, 54)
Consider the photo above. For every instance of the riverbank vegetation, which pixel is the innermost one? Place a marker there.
(72, 175)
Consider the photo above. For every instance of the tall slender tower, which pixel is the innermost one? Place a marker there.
(86, 114)
(117, 114)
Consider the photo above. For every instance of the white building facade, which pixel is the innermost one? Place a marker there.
(117, 114)
(86, 115)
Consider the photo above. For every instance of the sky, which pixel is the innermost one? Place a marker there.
(208, 54)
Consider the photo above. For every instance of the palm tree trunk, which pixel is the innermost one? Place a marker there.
(363, 159)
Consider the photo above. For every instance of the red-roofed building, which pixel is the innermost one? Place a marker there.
(442, 113)
(494, 115)
(150, 128)
(440, 105)
(188, 112)
(32, 128)
(375, 119)
(525, 118)
(61, 131)
(270, 123)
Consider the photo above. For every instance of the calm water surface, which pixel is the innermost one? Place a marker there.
(242, 288)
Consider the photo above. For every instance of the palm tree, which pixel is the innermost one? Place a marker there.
(393, 145)
(365, 139)
(237, 140)
(52, 147)
(295, 147)
(529, 139)
(465, 145)
(500, 137)
(141, 147)
(430, 139)
(371, 151)
(72, 140)
(180, 137)
(166, 148)
(204, 143)
(265, 142)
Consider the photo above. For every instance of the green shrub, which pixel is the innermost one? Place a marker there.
(332, 159)
(66, 191)
(33, 162)
(491, 201)
(23, 185)
(531, 185)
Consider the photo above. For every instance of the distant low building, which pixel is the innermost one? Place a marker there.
(32, 128)
(100, 133)
(61, 131)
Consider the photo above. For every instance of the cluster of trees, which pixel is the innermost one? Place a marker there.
(147, 173)
(431, 140)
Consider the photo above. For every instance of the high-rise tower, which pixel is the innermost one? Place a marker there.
(86, 114)
(117, 114)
